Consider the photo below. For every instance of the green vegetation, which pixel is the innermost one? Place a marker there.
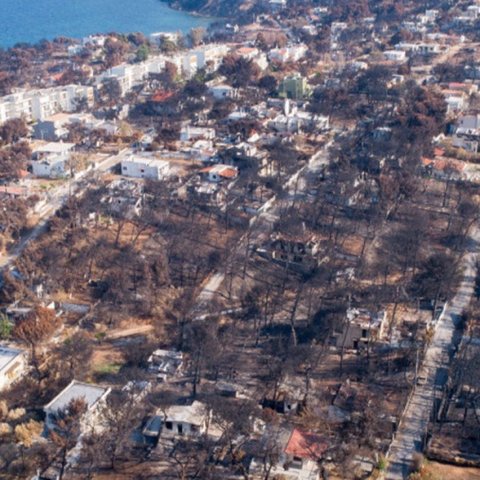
(5, 327)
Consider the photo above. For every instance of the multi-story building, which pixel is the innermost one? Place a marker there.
(210, 55)
(39, 104)
(129, 76)
(294, 87)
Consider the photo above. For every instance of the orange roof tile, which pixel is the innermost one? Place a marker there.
(443, 163)
(161, 96)
(228, 172)
(306, 445)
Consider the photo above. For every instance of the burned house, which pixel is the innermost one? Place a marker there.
(165, 363)
(299, 453)
(292, 253)
(286, 398)
(124, 198)
(360, 328)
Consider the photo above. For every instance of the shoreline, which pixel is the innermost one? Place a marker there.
(194, 13)
(162, 17)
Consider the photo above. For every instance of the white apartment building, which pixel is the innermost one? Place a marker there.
(189, 64)
(210, 54)
(39, 104)
(129, 76)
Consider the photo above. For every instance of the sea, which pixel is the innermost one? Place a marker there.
(29, 21)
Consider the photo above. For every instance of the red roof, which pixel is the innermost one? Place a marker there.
(442, 163)
(161, 96)
(306, 445)
(224, 171)
(14, 190)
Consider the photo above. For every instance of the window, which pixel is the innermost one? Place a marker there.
(180, 429)
(296, 463)
(168, 425)
(364, 333)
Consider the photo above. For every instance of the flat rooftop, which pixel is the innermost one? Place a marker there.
(147, 161)
(77, 390)
(7, 355)
(54, 147)
(193, 414)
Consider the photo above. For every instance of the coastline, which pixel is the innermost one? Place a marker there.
(195, 13)
(76, 20)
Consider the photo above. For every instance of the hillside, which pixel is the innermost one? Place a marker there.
(215, 8)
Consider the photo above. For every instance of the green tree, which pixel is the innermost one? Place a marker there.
(5, 327)
(142, 53)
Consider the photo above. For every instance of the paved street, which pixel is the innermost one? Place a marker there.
(409, 438)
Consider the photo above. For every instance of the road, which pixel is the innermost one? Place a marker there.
(410, 435)
(58, 197)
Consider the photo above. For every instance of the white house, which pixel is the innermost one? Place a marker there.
(219, 172)
(52, 166)
(223, 91)
(186, 420)
(12, 365)
(51, 160)
(395, 55)
(158, 37)
(469, 121)
(137, 166)
(93, 395)
(94, 40)
(455, 100)
(467, 138)
(277, 4)
(288, 54)
(52, 148)
(189, 133)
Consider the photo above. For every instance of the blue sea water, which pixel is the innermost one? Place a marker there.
(34, 20)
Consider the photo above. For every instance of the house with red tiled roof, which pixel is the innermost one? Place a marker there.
(219, 172)
(443, 167)
(299, 455)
